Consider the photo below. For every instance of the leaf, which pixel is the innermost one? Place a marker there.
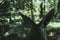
(58, 6)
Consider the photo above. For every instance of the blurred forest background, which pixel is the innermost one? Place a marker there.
(11, 23)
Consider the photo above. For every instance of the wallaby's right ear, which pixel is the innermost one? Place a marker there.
(47, 18)
(27, 21)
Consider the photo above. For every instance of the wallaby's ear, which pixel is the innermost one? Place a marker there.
(27, 21)
(47, 18)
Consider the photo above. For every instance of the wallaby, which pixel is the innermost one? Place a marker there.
(37, 30)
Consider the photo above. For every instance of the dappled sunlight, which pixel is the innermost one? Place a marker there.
(54, 24)
(29, 20)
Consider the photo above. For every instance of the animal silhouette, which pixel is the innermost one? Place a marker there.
(38, 31)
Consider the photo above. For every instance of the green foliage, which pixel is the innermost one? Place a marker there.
(9, 10)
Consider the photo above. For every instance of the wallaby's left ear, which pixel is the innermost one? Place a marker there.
(47, 18)
(27, 21)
